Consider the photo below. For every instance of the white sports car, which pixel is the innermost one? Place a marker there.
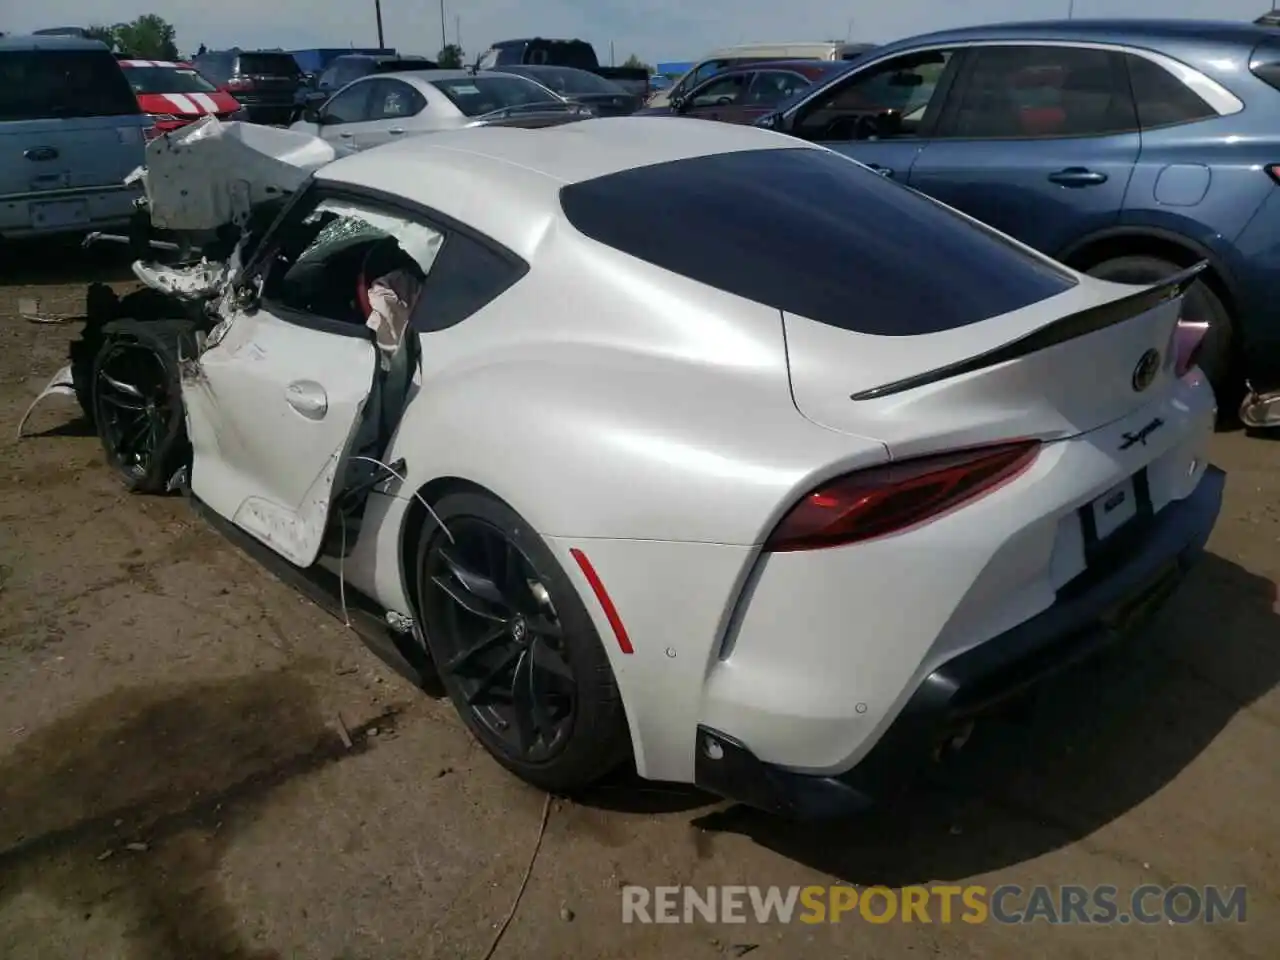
(683, 444)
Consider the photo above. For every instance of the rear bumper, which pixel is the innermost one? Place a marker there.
(71, 211)
(1088, 615)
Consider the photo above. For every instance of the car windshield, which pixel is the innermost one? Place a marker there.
(569, 83)
(269, 65)
(476, 96)
(167, 80)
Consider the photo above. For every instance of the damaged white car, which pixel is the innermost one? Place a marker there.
(778, 513)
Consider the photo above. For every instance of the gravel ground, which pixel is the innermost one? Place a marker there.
(174, 780)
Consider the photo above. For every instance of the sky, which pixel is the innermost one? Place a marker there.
(657, 30)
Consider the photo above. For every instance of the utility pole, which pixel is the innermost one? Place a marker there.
(612, 63)
(457, 31)
(377, 12)
(444, 38)
(1071, 9)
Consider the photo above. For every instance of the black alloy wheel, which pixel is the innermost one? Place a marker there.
(137, 402)
(502, 640)
(515, 647)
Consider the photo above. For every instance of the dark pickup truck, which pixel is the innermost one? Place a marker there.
(539, 51)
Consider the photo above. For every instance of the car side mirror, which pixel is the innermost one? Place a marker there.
(678, 104)
(777, 121)
(313, 115)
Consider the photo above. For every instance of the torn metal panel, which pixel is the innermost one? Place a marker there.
(61, 384)
(196, 282)
(211, 173)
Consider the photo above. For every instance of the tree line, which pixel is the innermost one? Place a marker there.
(151, 37)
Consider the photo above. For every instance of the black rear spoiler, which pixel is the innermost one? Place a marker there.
(1061, 330)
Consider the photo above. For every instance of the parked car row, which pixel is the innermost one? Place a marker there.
(379, 108)
(1128, 150)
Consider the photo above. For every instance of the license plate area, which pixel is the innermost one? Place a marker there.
(1110, 522)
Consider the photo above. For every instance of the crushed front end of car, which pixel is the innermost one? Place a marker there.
(209, 193)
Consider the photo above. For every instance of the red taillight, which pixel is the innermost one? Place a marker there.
(1273, 171)
(1187, 339)
(888, 499)
(238, 83)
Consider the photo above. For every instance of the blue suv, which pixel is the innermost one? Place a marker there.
(1126, 149)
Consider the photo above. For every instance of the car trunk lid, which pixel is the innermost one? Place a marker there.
(1051, 370)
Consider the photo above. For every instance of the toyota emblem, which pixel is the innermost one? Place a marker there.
(1144, 374)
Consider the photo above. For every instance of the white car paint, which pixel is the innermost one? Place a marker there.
(437, 112)
(657, 425)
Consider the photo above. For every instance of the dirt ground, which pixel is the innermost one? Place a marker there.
(173, 783)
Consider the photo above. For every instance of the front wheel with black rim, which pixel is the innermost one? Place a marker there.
(137, 400)
(516, 650)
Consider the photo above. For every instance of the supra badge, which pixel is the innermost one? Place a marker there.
(1144, 374)
(1135, 437)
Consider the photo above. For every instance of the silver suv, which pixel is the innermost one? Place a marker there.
(71, 130)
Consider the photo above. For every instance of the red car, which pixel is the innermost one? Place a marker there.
(175, 94)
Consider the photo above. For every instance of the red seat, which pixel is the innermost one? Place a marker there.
(1042, 121)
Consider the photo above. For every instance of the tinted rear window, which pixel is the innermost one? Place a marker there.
(814, 234)
(46, 84)
(269, 64)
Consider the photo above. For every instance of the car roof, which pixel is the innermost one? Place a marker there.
(501, 180)
(240, 51)
(50, 41)
(1097, 30)
(783, 49)
(428, 73)
(536, 67)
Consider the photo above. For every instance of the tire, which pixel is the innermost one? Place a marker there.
(1218, 351)
(591, 737)
(136, 395)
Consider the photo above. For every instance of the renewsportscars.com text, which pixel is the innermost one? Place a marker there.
(1008, 904)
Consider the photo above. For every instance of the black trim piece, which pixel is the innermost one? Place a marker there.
(932, 119)
(726, 767)
(1059, 331)
(401, 653)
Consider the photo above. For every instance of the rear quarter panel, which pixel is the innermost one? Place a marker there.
(602, 397)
